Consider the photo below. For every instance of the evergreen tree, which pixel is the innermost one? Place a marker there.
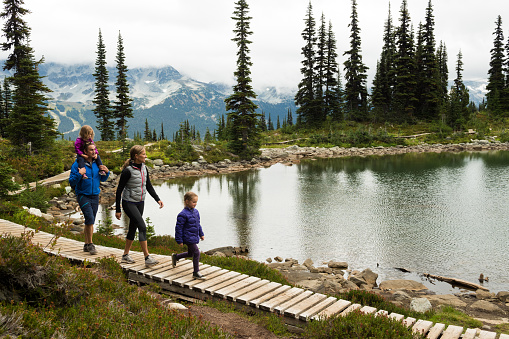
(305, 96)
(244, 131)
(458, 111)
(221, 132)
(384, 81)
(404, 100)
(154, 135)
(162, 136)
(102, 109)
(278, 125)
(320, 111)
(356, 94)
(428, 82)
(270, 125)
(28, 122)
(443, 75)
(208, 137)
(147, 135)
(332, 99)
(3, 116)
(263, 123)
(496, 79)
(123, 104)
(289, 118)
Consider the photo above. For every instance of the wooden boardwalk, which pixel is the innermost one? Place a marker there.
(296, 305)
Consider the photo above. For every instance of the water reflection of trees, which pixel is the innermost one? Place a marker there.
(242, 187)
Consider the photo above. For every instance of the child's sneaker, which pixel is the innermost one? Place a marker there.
(174, 259)
(197, 275)
(102, 173)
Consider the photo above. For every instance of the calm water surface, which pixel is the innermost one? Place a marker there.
(443, 214)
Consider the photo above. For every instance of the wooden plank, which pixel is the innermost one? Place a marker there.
(256, 293)
(504, 336)
(368, 310)
(234, 295)
(396, 316)
(422, 326)
(295, 310)
(217, 280)
(470, 333)
(452, 332)
(408, 322)
(487, 335)
(308, 314)
(173, 274)
(382, 313)
(350, 308)
(273, 294)
(269, 305)
(289, 303)
(435, 331)
(223, 292)
(337, 307)
(163, 267)
(207, 272)
(212, 289)
(161, 276)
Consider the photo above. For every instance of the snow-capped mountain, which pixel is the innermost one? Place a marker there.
(161, 96)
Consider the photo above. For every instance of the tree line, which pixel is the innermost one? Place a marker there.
(410, 83)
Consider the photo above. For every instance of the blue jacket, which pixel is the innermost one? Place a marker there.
(88, 186)
(188, 229)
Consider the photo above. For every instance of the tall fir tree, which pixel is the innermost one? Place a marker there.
(320, 110)
(147, 134)
(305, 96)
(428, 82)
(162, 136)
(496, 78)
(443, 72)
(123, 109)
(458, 110)
(384, 81)
(244, 139)
(404, 100)
(102, 109)
(356, 93)
(332, 93)
(29, 123)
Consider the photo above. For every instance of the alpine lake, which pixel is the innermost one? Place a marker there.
(444, 214)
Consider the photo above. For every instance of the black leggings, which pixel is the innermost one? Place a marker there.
(134, 211)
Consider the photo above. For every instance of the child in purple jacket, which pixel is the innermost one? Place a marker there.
(86, 135)
(188, 231)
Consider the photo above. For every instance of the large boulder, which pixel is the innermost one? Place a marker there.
(446, 299)
(420, 305)
(486, 306)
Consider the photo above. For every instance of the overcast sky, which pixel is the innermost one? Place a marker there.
(194, 36)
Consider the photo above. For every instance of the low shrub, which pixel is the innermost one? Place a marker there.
(359, 325)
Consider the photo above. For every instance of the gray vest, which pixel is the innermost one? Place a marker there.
(136, 187)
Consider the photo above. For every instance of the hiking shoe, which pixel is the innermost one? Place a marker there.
(174, 259)
(197, 275)
(91, 249)
(102, 173)
(126, 258)
(150, 261)
(85, 248)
